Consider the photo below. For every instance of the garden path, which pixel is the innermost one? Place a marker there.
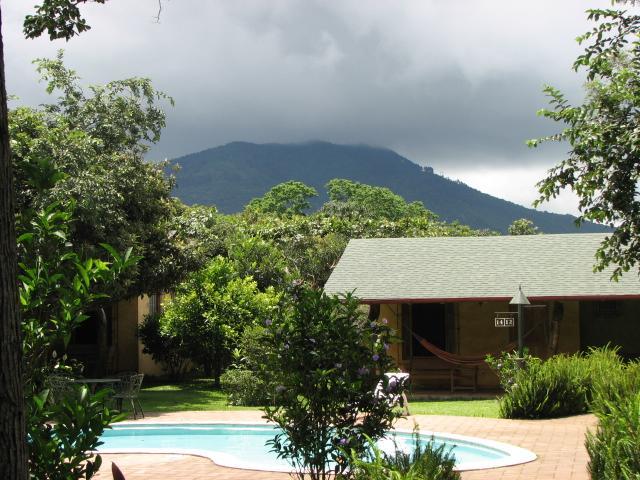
(559, 444)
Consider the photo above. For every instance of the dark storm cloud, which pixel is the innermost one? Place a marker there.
(447, 83)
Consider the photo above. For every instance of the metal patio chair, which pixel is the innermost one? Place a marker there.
(129, 389)
(59, 387)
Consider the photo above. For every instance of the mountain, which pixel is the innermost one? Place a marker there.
(229, 176)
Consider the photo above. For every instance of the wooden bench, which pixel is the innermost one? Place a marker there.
(436, 369)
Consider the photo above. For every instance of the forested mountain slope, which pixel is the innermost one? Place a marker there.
(229, 176)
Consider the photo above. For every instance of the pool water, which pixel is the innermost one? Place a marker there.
(244, 446)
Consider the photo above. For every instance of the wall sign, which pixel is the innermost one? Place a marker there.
(505, 319)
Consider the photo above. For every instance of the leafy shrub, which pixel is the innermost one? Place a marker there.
(508, 364)
(426, 462)
(325, 358)
(260, 260)
(63, 434)
(252, 348)
(244, 387)
(164, 348)
(557, 387)
(211, 309)
(241, 382)
(57, 285)
(614, 449)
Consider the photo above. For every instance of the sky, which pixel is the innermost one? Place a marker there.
(453, 84)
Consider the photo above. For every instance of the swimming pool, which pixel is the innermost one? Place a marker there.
(243, 445)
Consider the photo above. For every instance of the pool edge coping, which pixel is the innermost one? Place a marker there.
(516, 455)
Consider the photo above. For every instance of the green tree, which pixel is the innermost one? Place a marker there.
(61, 20)
(312, 244)
(523, 226)
(353, 199)
(94, 143)
(260, 260)
(603, 164)
(288, 198)
(211, 309)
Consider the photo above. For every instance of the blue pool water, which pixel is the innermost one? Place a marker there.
(243, 446)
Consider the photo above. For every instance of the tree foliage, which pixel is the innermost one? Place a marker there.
(288, 198)
(211, 309)
(56, 287)
(603, 165)
(88, 147)
(59, 18)
(523, 226)
(353, 199)
(312, 244)
(57, 284)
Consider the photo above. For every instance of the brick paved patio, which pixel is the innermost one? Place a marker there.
(558, 443)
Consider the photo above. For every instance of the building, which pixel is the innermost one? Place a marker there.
(451, 290)
(108, 344)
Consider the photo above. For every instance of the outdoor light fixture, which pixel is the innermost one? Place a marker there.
(520, 299)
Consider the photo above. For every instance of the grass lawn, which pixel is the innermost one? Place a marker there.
(193, 395)
(200, 395)
(467, 408)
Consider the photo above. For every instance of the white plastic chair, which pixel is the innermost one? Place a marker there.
(393, 389)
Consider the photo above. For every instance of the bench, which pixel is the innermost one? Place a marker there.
(460, 378)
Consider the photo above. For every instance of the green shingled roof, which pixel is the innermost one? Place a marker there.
(457, 268)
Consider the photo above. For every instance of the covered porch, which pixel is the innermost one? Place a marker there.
(442, 295)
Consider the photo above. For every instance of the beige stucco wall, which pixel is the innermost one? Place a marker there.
(146, 364)
(129, 357)
(391, 313)
(569, 332)
(477, 334)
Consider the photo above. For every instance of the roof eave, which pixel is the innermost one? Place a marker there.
(532, 298)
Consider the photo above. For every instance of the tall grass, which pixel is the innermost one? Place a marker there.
(600, 382)
(565, 385)
(556, 387)
(614, 448)
(426, 462)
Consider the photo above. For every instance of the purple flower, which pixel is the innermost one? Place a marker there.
(386, 346)
(385, 321)
(343, 441)
(363, 371)
(375, 357)
(373, 324)
(286, 346)
(268, 322)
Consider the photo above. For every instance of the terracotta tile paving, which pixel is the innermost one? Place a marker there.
(558, 443)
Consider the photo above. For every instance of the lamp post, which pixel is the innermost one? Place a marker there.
(520, 299)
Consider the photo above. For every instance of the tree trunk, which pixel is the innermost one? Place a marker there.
(13, 450)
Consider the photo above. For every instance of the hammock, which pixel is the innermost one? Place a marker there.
(460, 360)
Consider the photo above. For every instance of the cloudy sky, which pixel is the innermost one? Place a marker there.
(454, 84)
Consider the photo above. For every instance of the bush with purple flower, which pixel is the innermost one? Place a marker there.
(326, 359)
